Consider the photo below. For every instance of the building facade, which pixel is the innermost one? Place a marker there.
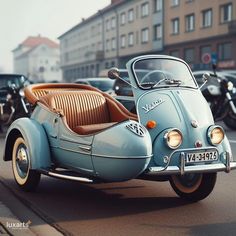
(201, 32)
(111, 37)
(38, 58)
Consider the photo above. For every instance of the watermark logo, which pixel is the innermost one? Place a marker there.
(18, 225)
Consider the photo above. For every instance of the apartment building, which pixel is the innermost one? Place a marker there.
(201, 32)
(111, 37)
(38, 58)
(198, 31)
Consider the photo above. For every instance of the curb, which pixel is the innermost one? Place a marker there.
(10, 224)
(16, 219)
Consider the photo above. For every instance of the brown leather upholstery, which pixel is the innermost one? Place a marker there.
(85, 109)
(85, 112)
(34, 92)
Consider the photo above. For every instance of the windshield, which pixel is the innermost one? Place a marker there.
(159, 72)
(103, 85)
(8, 80)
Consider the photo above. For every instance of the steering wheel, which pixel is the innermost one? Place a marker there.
(158, 75)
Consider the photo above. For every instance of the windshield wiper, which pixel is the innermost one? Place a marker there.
(168, 81)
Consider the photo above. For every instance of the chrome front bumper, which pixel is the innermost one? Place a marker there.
(199, 168)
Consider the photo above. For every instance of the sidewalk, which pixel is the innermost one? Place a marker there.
(10, 225)
(18, 220)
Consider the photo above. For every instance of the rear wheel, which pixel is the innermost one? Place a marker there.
(26, 178)
(193, 187)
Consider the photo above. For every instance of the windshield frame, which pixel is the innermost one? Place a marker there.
(162, 57)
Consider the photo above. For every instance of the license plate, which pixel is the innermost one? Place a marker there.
(201, 157)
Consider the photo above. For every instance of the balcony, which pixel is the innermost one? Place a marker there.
(232, 27)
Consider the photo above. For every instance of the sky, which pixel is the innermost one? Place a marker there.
(49, 18)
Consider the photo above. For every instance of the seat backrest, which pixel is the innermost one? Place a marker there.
(79, 107)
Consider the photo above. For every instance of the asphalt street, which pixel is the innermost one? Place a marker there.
(134, 207)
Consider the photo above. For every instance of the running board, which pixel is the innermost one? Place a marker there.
(68, 176)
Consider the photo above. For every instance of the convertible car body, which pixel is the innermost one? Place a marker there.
(78, 132)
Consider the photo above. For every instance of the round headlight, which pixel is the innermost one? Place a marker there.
(22, 93)
(215, 135)
(9, 96)
(173, 138)
(230, 86)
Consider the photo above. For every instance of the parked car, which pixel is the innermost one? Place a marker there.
(81, 133)
(104, 84)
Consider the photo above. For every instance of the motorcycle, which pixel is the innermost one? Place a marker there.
(220, 94)
(12, 105)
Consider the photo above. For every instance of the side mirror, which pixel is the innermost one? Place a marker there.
(205, 79)
(114, 73)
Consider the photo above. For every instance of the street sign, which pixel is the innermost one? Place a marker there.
(206, 58)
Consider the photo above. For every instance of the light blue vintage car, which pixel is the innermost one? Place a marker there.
(80, 133)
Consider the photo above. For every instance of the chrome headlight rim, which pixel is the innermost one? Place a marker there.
(209, 134)
(167, 135)
(22, 93)
(230, 86)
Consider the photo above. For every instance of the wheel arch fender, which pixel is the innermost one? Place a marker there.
(36, 140)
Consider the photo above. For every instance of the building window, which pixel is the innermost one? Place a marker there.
(207, 18)
(122, 18)
(189, 55)
(225, 51)
(157, 5)
(144, 9)
(108, 25)
(144, 35)
(174, 3)
(122, 41)
(226, 13)
(107, 45)
(157, 32)
(131, 39)
(189, 23)
(131, 15)
(113, 22)
(175, 26)
(113, 44)
(107, 65)
(174, 53)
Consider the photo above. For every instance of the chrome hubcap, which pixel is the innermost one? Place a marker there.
(22, 161)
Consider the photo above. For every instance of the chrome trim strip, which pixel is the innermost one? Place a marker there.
(81, 179)
(85, 148)
(121, 157)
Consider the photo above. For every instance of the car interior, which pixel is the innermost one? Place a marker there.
(85, 110)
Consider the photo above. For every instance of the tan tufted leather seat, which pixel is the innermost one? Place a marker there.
(86, 112)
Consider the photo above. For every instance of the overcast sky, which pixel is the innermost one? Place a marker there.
(50, 18)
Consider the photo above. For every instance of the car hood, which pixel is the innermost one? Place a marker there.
(178, 108)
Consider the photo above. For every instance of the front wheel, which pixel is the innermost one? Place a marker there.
(26, 178)
(193, 187)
